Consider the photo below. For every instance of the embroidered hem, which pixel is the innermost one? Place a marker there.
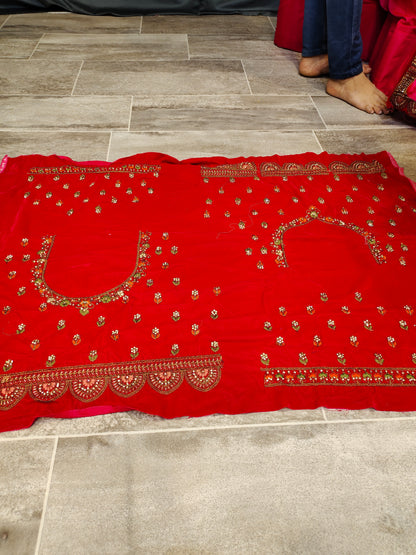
(339, 376)
(87, 383)
(400, 99)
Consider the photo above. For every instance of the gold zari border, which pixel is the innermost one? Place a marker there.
(346, 376)
(273, 169)
(81, 170)
(400, 99)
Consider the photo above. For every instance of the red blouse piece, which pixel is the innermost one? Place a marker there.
(205, 286)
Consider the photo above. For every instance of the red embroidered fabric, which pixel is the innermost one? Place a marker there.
(205, 286)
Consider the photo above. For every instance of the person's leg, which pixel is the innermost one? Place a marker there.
(347, 79)
(314, 59)
(344, 38)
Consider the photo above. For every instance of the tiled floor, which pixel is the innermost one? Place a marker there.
(288, 482)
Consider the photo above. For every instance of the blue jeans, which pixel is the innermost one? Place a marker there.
(333, 27)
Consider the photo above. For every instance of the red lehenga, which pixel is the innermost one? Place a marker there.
(388, 28)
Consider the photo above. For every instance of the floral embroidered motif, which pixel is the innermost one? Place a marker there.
(84, 304)
(358, 167)
(87, 383)
(272, 169)
(314, 214)
(339, 376)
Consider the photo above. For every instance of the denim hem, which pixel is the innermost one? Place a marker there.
(356, 70)
(312, 53)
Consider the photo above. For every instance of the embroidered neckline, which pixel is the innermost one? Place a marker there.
(313, 214)
(85, 304)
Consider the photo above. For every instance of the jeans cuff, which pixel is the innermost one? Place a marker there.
(310, 53)
(356, 70)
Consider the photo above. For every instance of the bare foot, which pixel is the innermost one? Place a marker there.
(359, 92)
(314, 66)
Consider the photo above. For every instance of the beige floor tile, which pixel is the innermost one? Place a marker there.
(72, 23)
(365, 414)
(37, 77)
(70, 113)
(232, 47)
(189, 144)
(251, 26)
(112, 47)
(400, 142)
(337, 113)
(78, 146)
(14, 45)
(295, 489)
(24, 470)
(192, 113)
(281, 76)
(133, 421)
(183, 77)
(322, 481)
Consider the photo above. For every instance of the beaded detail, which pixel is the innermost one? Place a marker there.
(87, 383)
(84, 304)
(314, 214)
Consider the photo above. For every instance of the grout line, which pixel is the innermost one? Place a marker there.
(4, 22)
(45, 500)
(319, 113)
(36, 47)
(269, 17)
(109, 146)
(76, 78)
(130, 114)
(317, 140)
(187, 46)
(61, 130)
(325, 422)
(248, 82)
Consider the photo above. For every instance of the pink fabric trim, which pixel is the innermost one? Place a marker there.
(411, 91)
(394, 162)
(4, 163)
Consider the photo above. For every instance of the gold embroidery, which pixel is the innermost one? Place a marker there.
(339, 376)
(84, 304)
(88, 382)
(272, 169)
(400, 98)
(242, 169)
(81, 170)
(314, 214)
